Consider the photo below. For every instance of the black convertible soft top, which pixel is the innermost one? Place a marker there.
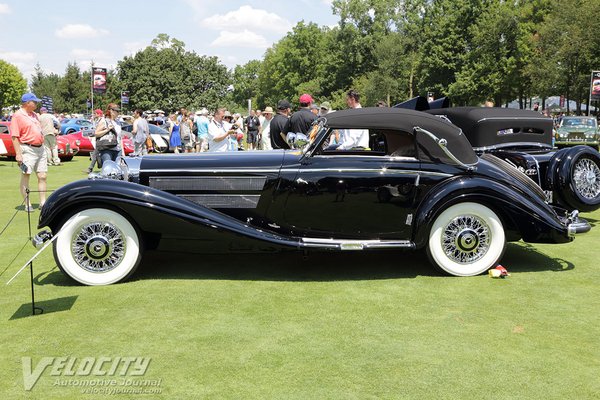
(489, 126)
(406, 120)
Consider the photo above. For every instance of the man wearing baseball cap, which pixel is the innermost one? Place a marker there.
(301, 120)
(28, 141)
(278, 125)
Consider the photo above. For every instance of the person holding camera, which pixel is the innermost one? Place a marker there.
(219, 132)
(108, 135)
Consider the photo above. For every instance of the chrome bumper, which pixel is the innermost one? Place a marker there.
(41, 238)
(576, 225)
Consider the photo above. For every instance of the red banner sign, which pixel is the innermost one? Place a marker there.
(99, 80)
(595, 85)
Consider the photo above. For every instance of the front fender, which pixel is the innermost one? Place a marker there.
(523, 216)
(150, 209)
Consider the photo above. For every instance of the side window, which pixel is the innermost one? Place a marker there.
(3, 129)
(398, 143)
(353, 141)
(381, 142)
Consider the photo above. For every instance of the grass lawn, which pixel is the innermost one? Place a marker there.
(351, 326)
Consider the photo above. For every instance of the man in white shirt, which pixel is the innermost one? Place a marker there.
(218, 133)
(353, 138)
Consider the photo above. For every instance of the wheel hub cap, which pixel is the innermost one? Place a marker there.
(466, 239)
(98, 247)
(586, 178)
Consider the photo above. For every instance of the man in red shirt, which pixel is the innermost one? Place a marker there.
(28, 141)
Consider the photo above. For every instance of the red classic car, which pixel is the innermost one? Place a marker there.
(86, 146)
(67, 147)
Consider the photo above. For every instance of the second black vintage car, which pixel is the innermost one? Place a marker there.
(419, 185)
(569, 176)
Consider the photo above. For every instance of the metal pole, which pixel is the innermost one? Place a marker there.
(590, 98)
(33, 307)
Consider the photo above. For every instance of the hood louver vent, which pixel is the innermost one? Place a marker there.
(514, 173)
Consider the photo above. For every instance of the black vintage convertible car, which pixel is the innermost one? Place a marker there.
(419, 185)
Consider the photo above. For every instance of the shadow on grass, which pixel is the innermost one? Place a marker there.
(48, 306)
(318, 266)
(524, 257)
(593, 222)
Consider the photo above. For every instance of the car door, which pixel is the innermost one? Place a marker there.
(353, 194)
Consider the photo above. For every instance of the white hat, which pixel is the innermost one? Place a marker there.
(203, 111)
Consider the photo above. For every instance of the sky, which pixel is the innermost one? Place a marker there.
(53, 33)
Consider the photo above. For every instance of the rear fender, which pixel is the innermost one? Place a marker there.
(524, 217)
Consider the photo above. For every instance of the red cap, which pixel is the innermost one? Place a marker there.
(98, 111)
(306, 98)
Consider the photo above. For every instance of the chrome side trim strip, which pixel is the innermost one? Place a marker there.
(214, 171)
(385, 171)
(541, 146)
(349, 244)
(223, 201)
(208, 182)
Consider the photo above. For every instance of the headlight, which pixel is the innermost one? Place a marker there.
(589, 134)
(110, 170)
(78, 142)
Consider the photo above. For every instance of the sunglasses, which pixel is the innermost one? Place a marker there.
(114, 109)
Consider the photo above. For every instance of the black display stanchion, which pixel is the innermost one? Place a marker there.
(33, 307)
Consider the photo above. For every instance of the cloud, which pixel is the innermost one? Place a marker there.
(248, 18)
(131, 48)
(4, 8)
(15, 57)
(80, 31)
(22, 60)
(100, 58)
(245, 38)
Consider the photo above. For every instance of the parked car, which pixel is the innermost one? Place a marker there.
(420, 185)
(86, 146)
(71, 125)
(67, 148)
(570, 176)
(574, 131)
(84, 138)
(160, 138)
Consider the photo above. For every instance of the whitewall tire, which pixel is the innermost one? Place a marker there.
(466, 239)
(97, 246)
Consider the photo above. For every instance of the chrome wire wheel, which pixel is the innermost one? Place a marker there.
(466, 239)
(586, 178)
(98, 247)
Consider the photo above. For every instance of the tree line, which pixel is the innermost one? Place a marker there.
(392, 50)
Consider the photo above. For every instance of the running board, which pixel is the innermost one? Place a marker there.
(349, 244)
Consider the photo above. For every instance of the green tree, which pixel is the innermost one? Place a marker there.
(166, 76)
(569, 43)
(446, 42)
(72, 91)
(12, 85)
(493, 68)
(43, 84)
(293, 64)
(245, 83)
